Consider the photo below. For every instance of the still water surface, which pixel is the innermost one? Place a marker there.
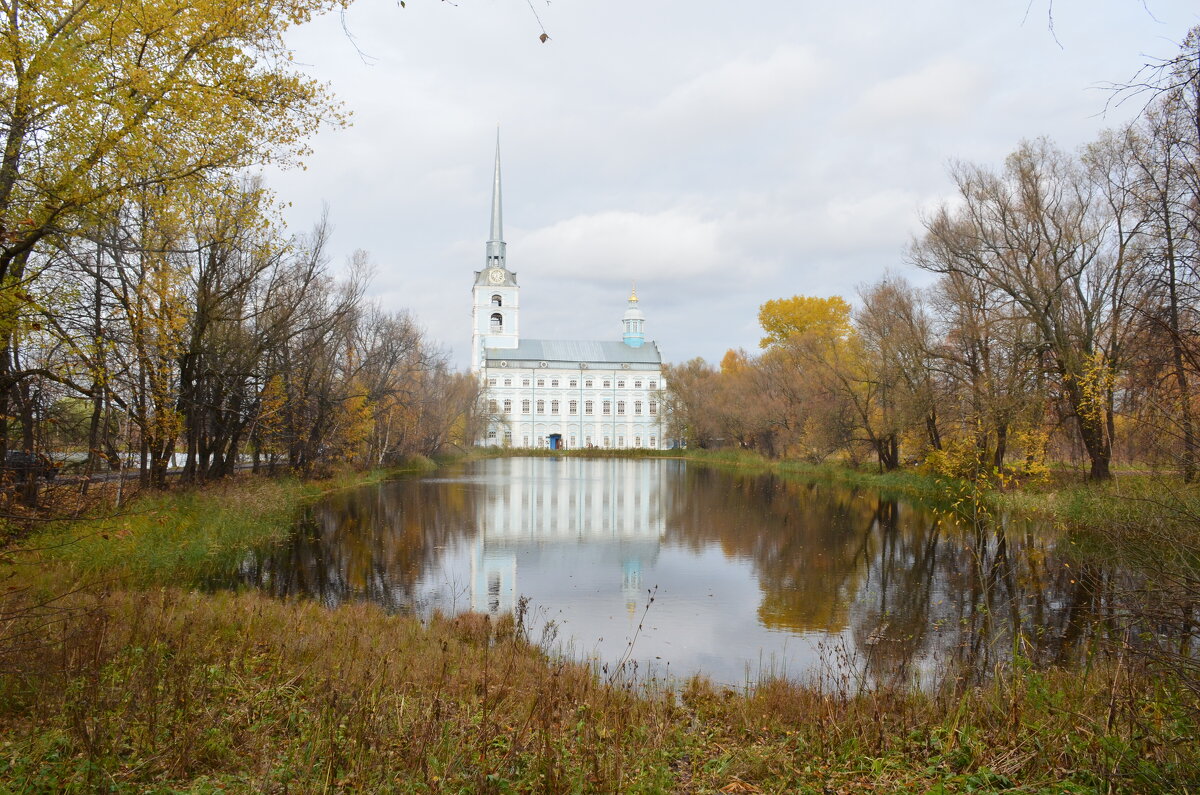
(750, 573)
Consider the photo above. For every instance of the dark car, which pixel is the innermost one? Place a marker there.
(21, 463)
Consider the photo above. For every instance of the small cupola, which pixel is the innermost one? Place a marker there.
(634, 322)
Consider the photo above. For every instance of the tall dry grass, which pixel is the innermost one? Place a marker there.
(167, 689)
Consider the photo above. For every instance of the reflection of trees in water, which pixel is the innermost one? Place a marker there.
(372, 543)
(916, 587)
(917, 590)
(806, 541)
(968, 596)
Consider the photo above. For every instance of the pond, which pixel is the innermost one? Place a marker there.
(682, 568)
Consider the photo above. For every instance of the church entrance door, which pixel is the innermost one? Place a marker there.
(556, 441)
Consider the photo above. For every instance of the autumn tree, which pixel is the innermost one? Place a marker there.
(104, 104)
(1041, 234)
(782, 319)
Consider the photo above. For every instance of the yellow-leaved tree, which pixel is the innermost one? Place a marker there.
(782, 319)
(103, 103)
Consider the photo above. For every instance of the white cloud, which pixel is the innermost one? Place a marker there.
(744, 89)
(620, 245)
(942, 91)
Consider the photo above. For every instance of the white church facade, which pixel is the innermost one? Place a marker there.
(558, 394)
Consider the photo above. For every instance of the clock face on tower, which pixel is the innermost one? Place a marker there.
(496, 276)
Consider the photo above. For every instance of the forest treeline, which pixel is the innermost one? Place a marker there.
(153, 311)
(1063, 322)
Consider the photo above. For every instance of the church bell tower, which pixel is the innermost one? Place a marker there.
(495, 295)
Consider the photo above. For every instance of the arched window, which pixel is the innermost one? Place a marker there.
(497, 301)
(497, 322)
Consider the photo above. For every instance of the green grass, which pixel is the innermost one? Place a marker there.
(185, 536)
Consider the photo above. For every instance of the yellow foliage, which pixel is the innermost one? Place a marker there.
(734, 361)
(782, 318)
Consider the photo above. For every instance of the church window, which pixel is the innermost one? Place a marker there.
(587, 407)
(620, 441)
(654, 385)
(573, 406)
(553, 406)
(606, 441)
(508, 407)
(587, 384)
(497, 322)
(525, 442)
(620, 385)
(491, 382)
(572, 444)
(497, 301)
(653, 406)
(493, 407)
(541, 409)
(554, 382)
(620, 406)
(508, 438)
(637, 441)
(541, 382)
(637, 407)
(508, 382)
(574, 383)
(653, 442)
(525, 410)
(607, 384)
(491, 434)
(541, 443)
(587, 440)
(524, 382)
(607, 407)
(637, 384)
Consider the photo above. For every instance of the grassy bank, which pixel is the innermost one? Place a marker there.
(166, 690)
(1135, 499)
(130, 682)
(184, 536)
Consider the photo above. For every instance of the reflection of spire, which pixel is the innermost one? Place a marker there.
(495, 243)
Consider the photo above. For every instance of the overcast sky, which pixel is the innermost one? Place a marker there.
(721, 154)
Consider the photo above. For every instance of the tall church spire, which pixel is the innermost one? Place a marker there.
(495, 243)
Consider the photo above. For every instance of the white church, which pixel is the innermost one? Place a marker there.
(559, 394)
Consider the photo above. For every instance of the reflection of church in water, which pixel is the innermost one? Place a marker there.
(561, 530)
